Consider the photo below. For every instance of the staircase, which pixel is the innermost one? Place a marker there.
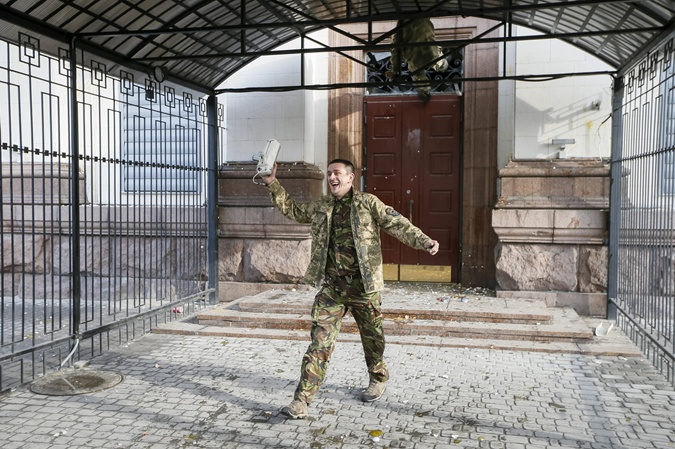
(426, 318)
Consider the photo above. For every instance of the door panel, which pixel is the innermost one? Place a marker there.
(383, 165)
(412, 163)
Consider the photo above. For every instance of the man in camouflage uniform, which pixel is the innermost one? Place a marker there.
(346, 264)
(418, 58)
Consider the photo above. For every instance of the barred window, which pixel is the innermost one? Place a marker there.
(162, 149)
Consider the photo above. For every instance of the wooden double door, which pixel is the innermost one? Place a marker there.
(412, 162)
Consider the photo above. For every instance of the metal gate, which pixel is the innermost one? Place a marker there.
(107, 207)
(642, 224)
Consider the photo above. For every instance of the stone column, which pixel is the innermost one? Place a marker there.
(552, 221)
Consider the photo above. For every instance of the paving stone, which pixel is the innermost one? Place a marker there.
(216, 389)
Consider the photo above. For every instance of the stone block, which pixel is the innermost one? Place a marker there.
(577, 184)
(230, 259)
(281, 261)
(537, 267)
(523, 225)
(580, 218)
(523, 218)
(562, 226)
(25, 253)
(593, 269)
(259, 223)
(581, 226)
(38, 183)
(121, 293)
(142, 257)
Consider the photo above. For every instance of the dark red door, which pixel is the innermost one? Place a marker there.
(412, 163)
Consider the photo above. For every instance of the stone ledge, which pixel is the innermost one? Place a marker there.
(301, 180)
(551, 202)
(556, 184)
(572, 167)
(551, 226)
(38, 183)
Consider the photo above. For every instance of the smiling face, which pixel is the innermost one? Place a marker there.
(340, 179)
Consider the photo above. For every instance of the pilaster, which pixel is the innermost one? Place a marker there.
(552, 223)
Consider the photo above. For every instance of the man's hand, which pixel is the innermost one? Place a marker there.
(270, 179)
(431, 246)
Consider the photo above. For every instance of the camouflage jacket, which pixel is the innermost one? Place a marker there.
(417, 57)
(369, 215)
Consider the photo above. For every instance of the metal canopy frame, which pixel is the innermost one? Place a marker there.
(203, 43)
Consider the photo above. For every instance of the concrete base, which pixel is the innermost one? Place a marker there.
(230, 291)
(585, 304)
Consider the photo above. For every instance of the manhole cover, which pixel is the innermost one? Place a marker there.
(72, 382)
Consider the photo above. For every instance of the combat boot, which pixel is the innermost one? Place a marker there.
(296, 409)
(374, 391)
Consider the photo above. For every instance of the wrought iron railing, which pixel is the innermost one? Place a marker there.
(642, 235)
(105, 227)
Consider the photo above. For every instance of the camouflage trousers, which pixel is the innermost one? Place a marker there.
(334, 300)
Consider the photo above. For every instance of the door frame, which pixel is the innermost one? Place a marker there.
(480, 132)
(421, 273)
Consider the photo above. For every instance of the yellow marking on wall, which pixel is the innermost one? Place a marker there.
(417, 273)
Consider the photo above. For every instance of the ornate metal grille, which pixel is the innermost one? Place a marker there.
(441, 82)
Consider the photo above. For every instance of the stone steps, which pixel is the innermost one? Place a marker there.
(410, 324)
(618, 345)
(425, 319)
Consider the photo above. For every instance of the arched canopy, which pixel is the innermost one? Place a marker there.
(202, 42)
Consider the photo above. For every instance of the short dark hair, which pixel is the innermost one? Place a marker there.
(344, 162)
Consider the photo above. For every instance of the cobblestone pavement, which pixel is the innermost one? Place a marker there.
(212, 392)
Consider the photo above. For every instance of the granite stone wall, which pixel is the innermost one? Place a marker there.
(552, 220)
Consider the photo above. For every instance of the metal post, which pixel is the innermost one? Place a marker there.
(212, 196)
(302, 60)
(242, 33)
(615, 197)
(75, 194)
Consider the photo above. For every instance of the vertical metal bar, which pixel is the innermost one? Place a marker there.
(669, 178)
(615, 197)
(508, 31)
(302, 60)
(212, 196)
(75, 193)
(370, 22)
(504, 51)
(242, 33)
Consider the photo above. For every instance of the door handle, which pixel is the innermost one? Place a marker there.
(410, 209)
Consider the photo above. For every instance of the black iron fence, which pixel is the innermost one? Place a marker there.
(107, 207)
(642, 243)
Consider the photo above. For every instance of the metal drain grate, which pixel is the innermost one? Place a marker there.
(73, 382)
